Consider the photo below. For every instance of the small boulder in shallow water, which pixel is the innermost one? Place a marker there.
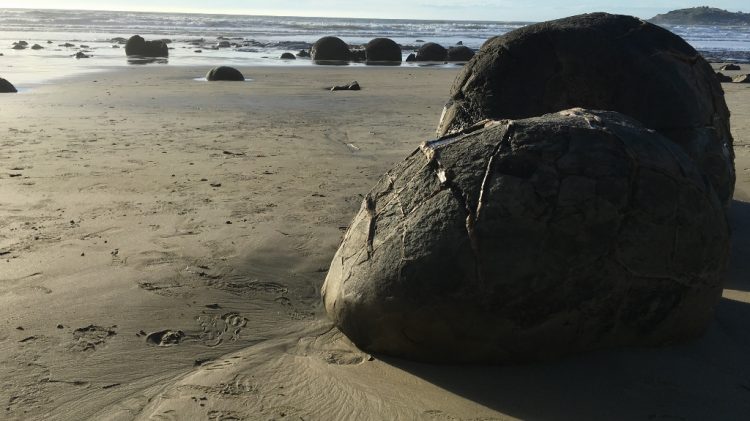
(383, 50)
(288, 56)
(137, 46)
(527, 240)
(460, 53)
(331, 49)
(431, 52)
(6, 87)
(37, 47)
(224, 73)
(81, 54)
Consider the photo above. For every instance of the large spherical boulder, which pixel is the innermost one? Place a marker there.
(460, 53)
(607, 62)
(383, 50)
(330, 49)
(224, 73)
(6, 87)
(431, 52)
(137, 46)
(532, 239)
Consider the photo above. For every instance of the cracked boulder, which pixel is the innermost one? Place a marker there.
(605, 62)
(528, 240)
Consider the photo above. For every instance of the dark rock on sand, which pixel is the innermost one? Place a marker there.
(383, 50)
(606, 62)
(722, 77)
(330, 49)
(137, 46)
(303, 54)
(354, 86)
(224, 73)
(6, 87)
(17, 46)
(431, 52)
(532, 239)
(67, 45)
(730, 66)
(460, 53)
(288, 56)
(37, 47)
(81, 54)
(742, 79)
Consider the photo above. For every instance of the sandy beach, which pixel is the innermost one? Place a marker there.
(163, 241)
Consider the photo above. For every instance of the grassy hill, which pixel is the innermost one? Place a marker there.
(702, 16)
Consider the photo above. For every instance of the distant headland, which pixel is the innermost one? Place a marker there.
(702, 16)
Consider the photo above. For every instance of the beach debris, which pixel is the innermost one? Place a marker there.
(730, 66)
(382, 50)
(526, 240)
(137, 46)
(660, 80)
(353, 86)
(330, 50)
(460, 53)
(431, 52)
(742, 79)
(165, 337)
(224, 73)
(288, 56)
(6, 87)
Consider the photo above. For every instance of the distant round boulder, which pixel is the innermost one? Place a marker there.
(224, 73)
(288, 56)
(137, 46)
(6, 87)
(330, 49)
(383, 50)
(37, 47)
(606, 62)
(431, 52)
(460, 53)
(529, 240)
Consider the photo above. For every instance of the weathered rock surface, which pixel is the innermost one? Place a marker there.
(431, 52)
(382, 50)
(330, 49)
(224, 73)
(6, 87)
(532, 239)
(460, 53)
(607, 62)
(137, 46)
(742, 79)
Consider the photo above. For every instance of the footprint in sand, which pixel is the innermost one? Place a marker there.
(165, 337)
(92, 336)
(217, 329)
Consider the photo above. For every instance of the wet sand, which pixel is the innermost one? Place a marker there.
(163, 241)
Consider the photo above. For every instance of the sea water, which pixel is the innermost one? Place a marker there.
(265, 38)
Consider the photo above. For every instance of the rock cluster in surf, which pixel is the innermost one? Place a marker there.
(137, 46)
(533, 229)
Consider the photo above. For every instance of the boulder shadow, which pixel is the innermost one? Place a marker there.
(738, 277)
(708, 379)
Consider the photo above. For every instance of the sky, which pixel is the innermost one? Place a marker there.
(497, 10)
